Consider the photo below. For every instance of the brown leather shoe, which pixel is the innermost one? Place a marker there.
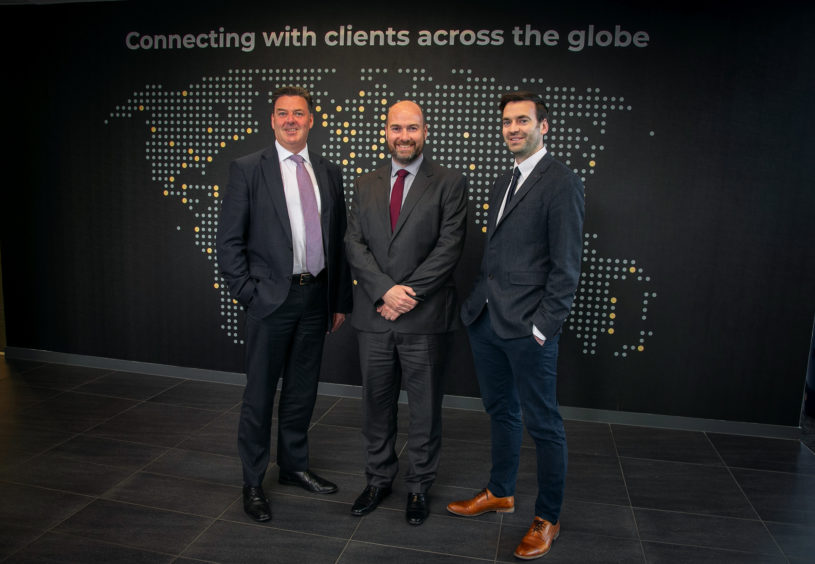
(538, 539)
(484, 502)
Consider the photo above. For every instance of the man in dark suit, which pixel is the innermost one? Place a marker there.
(528, 278)
(405, 235)
(280, 250)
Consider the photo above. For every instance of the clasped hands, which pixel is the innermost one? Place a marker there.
(398, 301)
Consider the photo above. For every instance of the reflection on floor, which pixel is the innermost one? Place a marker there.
(103, 466)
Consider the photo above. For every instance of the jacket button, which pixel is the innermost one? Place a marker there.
(355, 282)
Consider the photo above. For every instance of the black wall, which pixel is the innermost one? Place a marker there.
(695, 147)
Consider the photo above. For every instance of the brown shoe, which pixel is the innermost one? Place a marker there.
(538, 539)
(484, 502)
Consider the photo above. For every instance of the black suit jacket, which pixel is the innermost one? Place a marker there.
(254, 234)
(422, 251)
(531, 263)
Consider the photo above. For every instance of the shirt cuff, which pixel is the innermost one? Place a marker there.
(538, 334)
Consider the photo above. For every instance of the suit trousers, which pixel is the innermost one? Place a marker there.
(387, 359)
(518, 382)
(287, 343)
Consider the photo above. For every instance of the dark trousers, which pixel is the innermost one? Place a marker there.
(287, 343)
(387, 360)
(518, 381)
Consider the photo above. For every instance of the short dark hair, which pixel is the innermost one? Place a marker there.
(293, 91)
(526, 96)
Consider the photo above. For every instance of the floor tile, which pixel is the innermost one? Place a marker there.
(365, 553)
(574, 547)
(54, 471)
(586, 437)
(37, 508)
(66, 548)
(110, 452)
(176, 494)
(19, 442)
(198, 466)
(73, 411)
(761, 453)
(796, 541)
(155, 424)
(202, 395)
(438, 534)
(236, 543)
(129, 385)
(705, 531)
(220, 436)
(17, 394)
(61, 376)
(780, 496)
(593, 478)
(658, 553)
(692, 488)
(15, 537)
(664, 444)
(464, 464)
(134, 526)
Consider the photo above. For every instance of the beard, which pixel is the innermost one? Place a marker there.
(404, 154)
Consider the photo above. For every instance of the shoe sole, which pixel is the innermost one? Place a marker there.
(510, 510)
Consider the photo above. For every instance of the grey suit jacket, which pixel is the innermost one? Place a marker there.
(422, 252)
(531, 263)
(254, 233)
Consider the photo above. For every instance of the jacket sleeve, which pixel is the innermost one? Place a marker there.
(233, 227)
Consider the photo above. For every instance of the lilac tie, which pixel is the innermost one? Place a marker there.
(311, 216)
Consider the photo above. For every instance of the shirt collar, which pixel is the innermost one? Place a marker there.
(531, 162)
(284, 153)
(412, 168)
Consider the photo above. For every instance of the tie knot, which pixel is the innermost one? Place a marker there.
(516, 173)
(298, 159)
(401, 173)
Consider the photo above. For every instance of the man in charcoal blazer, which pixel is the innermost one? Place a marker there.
(524, 291)
(405, 235)
(281, 252)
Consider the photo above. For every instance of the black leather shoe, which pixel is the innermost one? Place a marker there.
(256, 504)
(417, 510)
(308, 481)
(367, 501)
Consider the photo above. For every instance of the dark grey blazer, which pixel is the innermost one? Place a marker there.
(421, 253)
(254, 233)
(531, 262)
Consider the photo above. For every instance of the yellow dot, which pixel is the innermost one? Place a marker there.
(215, 194)
(374, 147)
(344, 162)
(345, 124)
(325, 124)
(339, 108)
(486, 206)
(166, 192)
(466, 134)
(209, 250)
(197, 158)
(183, 92)
(141, 108)
(632, 270)
(361, 108)
(248, 130)
(472, 167)
(209, 159)
(612, 315)
(359, 170)
(614, 300)
(209, 130)
(197, 229)
(353, 132)
(355, 282)
(381, 155)
(172, 179)
(223, 143)
(345, 139)
(183, 165)
(339, 132)
(640, 348)
(353, 155)
(592, 163)
(484, 229)
(183, 186)
(183, 200)
(383, 117)
(383, 101)
(234, 301)
(235, 137)
(362, 93)
(611, 330)
(172, 143)
(216, 285)
(189, 151)
(153, 129)
(216, 187)
(382, 139)
(325, 116)
(318, 108)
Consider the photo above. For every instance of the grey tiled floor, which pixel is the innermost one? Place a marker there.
(101, 466)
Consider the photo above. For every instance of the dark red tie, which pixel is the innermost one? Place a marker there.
(396, 196)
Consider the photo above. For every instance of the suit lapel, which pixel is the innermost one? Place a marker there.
(526, 187)
(381, 198)
(417, 189)
(273, 184)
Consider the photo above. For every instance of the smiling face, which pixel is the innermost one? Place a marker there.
(291, 122)
(406, 132)
(522, 131)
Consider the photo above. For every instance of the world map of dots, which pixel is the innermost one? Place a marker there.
(188, 128)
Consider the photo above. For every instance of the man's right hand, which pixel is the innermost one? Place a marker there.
(400, 299)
